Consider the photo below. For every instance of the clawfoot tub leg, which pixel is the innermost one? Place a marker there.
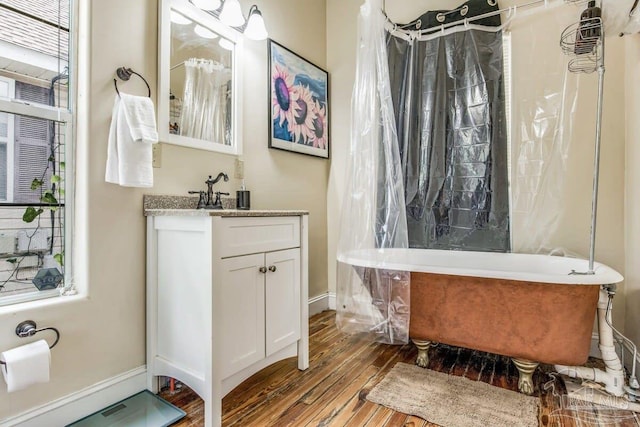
(423, 357)
(526, 369)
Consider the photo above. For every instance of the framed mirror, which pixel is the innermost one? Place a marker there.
(199, 90)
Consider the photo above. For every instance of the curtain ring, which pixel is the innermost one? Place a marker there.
(440, 17)
(464, 10)
(418, 24)
(492, 2)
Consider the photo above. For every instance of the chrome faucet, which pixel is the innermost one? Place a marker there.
(207, 201)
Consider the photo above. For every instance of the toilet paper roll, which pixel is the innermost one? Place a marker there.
(26, 365)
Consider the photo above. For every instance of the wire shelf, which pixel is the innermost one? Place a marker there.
(582, 42)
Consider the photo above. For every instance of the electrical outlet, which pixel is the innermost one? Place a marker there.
(157, 155)
(239, 169)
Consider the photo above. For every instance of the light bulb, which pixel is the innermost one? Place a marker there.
(207, 4)
(226, 44)
(179, 19)
(255, 26)
(204, 32)
(231, 14)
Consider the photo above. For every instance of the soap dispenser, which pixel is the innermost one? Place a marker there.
(243, 200)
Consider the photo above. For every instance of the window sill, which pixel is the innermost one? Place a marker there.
(41, 303)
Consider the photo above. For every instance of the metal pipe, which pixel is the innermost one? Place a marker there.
(596, 165)
(613, 375)
(513, 9)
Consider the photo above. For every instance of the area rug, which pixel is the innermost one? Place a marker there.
(452, 401)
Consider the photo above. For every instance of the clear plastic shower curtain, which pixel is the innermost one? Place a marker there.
(372, 300)
(541, 104)
(545, 105)
(205, 99)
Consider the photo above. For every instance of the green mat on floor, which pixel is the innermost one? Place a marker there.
(144, 409)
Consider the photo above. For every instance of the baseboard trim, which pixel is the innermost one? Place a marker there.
(76, 405)
(322, 302)
(318, 304)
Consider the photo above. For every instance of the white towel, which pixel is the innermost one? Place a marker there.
(132, 131)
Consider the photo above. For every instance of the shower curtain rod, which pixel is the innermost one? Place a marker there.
(548, 4)
(181, 64)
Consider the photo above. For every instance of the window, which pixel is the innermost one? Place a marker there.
(35, 139)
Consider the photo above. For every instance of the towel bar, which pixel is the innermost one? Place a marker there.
(28, 328)
(124, 74)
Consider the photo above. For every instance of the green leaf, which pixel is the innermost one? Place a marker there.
(62, 165)
(31, 214)
(12, 260)
(55, 179)
(36, 183)
(48, 197)
(61, 191)
(59, 258)
(52, 159)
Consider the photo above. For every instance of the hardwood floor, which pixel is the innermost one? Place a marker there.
(343, 368)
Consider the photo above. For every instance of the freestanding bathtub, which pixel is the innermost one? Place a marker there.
(532, 308)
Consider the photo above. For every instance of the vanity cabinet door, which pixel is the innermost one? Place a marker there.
(243, 313)
(282, 293)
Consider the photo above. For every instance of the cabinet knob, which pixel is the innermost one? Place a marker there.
(272, 268)
(262, 270)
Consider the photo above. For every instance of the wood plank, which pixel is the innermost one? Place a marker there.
(396, 420)
(413, 421)
(345, 401)
(380, 417)
(365, 411)
(277, 399)
(343, 369)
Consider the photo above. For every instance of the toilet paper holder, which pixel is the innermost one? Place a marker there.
(28, 328)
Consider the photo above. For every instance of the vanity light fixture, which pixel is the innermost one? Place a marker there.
(179, 19)
(204, 32)
(231, 14)
(255, 29)
(207, 4)
(225, 44)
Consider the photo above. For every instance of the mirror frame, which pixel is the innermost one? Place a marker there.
(164, 74)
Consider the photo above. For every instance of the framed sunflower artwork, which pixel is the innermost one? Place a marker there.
(299, 103)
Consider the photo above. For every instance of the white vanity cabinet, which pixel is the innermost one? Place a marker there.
(261, 312)
(226, 297)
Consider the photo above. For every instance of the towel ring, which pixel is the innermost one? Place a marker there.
(28, 328)
(124, 74)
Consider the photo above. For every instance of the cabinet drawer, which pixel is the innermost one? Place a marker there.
(248, 235)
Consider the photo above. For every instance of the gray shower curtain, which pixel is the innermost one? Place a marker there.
(449, 103)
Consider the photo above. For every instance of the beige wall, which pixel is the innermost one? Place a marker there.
(103, 335)
(573, 231)
(276, 179)
(632, 208)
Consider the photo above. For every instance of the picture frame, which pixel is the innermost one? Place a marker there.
(298, 103)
